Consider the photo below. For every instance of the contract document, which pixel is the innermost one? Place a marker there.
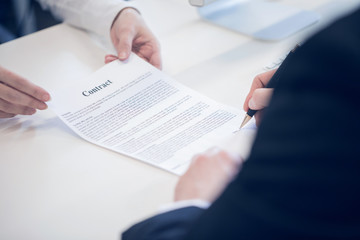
(134, 109)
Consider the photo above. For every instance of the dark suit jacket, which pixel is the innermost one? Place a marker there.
(302, 179)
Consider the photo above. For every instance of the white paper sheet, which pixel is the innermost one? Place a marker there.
(136, 110)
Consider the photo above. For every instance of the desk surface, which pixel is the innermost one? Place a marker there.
(53, 184)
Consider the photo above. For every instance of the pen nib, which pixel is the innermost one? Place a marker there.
(245, 121)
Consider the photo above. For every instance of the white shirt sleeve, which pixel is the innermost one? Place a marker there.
(93, 15)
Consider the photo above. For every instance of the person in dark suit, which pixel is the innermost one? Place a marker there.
(302, 178)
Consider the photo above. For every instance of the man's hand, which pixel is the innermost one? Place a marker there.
(259, 96)
(207, 176)
(130, 33)
(19, 96)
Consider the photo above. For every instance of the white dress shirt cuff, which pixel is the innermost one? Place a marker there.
(183, 204)
(92, 15)
(103, 29)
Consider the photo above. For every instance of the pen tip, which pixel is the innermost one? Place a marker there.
(245, 121)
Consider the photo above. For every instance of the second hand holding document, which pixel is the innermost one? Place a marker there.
(134, 109)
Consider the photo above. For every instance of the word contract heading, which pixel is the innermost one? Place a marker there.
(96, 89)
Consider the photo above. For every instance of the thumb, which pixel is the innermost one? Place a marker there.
(260, 98)
(124, 46)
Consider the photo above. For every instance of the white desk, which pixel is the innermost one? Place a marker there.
(55, 185)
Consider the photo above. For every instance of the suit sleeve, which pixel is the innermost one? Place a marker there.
(170, 225)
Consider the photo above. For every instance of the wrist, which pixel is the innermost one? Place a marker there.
(127, 10)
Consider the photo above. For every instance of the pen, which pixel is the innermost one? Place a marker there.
(271, 84)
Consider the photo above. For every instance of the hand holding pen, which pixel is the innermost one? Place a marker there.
(259, 96)
(261, 91)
